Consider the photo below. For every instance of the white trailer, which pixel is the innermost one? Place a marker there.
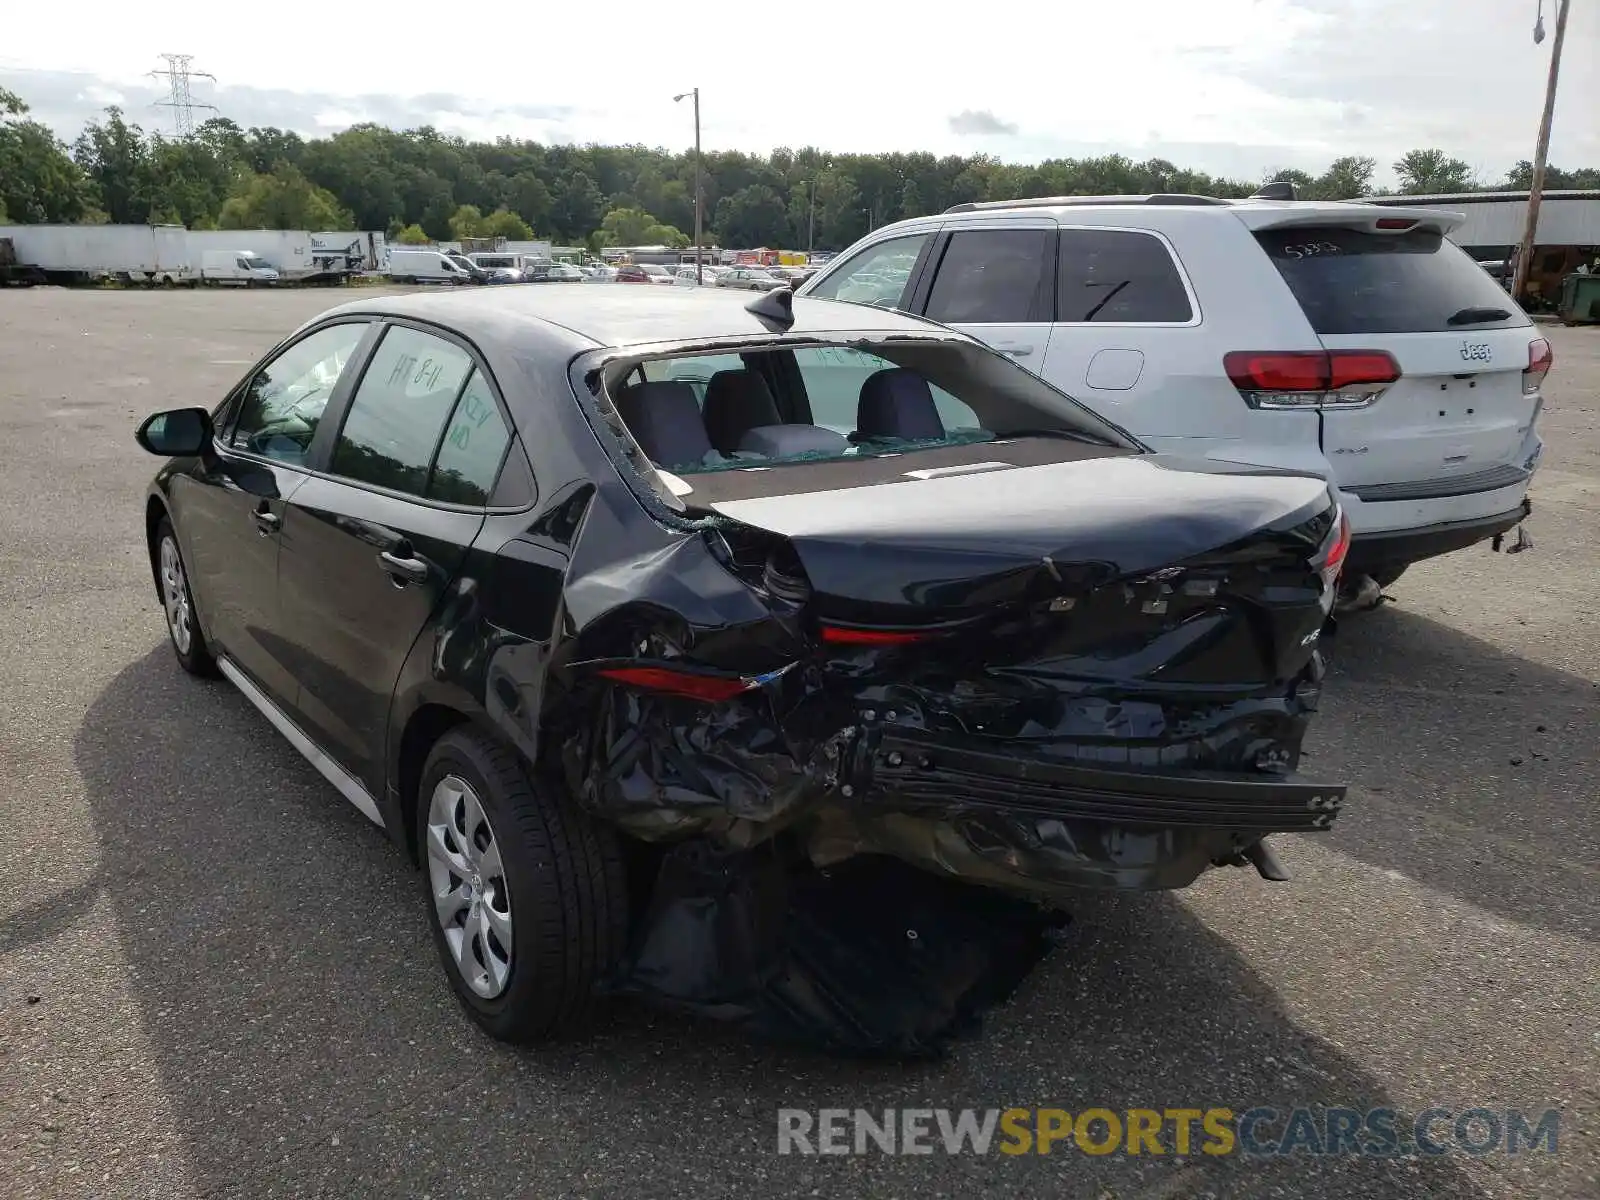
(149, 254)
(362, 250)
(291, 251)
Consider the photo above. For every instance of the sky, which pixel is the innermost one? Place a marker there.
(1234, 87)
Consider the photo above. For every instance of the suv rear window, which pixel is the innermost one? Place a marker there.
(1350, 281)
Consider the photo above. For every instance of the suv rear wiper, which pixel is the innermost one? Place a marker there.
(1473, 316)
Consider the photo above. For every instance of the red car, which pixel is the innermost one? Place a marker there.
(643, 273)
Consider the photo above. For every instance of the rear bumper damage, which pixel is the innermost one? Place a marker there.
(1157, 796)
(1037, 826)
(1373, 551)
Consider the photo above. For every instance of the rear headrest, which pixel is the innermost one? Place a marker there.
(736, 402)
(897, 403)
(781, 441)
(664, 418)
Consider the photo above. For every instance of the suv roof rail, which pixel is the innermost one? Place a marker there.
(1050, 201)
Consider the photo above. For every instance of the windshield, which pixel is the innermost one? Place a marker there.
(464, 263)
(1351, 281)
(757, 408)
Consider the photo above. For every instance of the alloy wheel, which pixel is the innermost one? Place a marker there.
(469, 886)
(175, 596)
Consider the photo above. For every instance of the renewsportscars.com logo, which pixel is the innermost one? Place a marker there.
(1373, 1132)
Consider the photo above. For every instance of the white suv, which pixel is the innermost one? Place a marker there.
(1344, 339)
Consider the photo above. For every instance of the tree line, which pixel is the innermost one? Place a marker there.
(421, 185)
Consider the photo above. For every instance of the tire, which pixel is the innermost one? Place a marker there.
(177, 603)
(559, 888)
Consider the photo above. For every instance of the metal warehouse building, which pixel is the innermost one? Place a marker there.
(1568, 232)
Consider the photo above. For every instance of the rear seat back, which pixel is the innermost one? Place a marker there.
(737, 402)
(897, 403)
(664, 418)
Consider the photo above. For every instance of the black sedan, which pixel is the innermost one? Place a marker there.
(594, 602)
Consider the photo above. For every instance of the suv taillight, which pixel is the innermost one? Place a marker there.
(1311, 378)
(1540, 359)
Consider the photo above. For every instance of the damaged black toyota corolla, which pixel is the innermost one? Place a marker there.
(715, 649)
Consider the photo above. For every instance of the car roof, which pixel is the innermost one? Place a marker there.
(596, 318)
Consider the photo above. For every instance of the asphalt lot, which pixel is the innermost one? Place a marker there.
(216, 979)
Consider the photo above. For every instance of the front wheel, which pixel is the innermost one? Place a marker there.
(183, 627)
(526, 894)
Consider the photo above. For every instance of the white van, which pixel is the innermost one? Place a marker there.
(244, 267)
(432, 266)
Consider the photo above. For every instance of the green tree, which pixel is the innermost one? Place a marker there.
(115, 157)
(412, 235)
(1426, 172)
(627, 227)
(285, 199)
(1346, 178)
(666, 235)
(753, 216)
(504, 223)
(39, 182)
(467, 222)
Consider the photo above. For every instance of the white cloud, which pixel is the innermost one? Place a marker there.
(1232, 86)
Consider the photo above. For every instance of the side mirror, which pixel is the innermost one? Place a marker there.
(177, 433)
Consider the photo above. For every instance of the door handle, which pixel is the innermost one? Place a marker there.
(403, 570)
(1015, 349)
(267, 521)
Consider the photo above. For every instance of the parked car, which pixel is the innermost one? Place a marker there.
(599, 274)
(1351, 340)
(685, 275)
(432, 266)
(565, 273)
(482, 562)
(754, 279)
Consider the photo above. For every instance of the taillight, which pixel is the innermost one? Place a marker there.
(1311, 379)
(1338, 551)
(845, 635)
(1540, 359)
(713, 689)
(1394, 222)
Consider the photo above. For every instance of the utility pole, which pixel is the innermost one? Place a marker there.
(811, 232)
(698, 277)
(1541, 153)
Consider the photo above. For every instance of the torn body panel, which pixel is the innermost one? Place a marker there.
(1041, 723)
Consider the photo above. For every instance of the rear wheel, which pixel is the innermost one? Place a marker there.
(177, 601)
(526, 894)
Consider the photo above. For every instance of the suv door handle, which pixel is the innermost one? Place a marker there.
(267, 521)
(403, 570)
(1015, 349)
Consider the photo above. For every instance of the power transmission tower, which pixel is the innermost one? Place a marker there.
(180, 101)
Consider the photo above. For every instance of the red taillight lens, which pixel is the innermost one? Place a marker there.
(1540, 359)
(711, 688)
(842, 635)
(1333, 564)
(1395, 222)
(1311, 378)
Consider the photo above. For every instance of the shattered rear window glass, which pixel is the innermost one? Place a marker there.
(793, 405)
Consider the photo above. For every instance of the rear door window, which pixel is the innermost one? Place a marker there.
(474, 445)
(1120, 276)
(833, 378)
(1352, 281)
(879, 275)
(398, 412)
(995, 277)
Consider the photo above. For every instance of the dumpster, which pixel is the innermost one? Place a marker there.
(1580, 300)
